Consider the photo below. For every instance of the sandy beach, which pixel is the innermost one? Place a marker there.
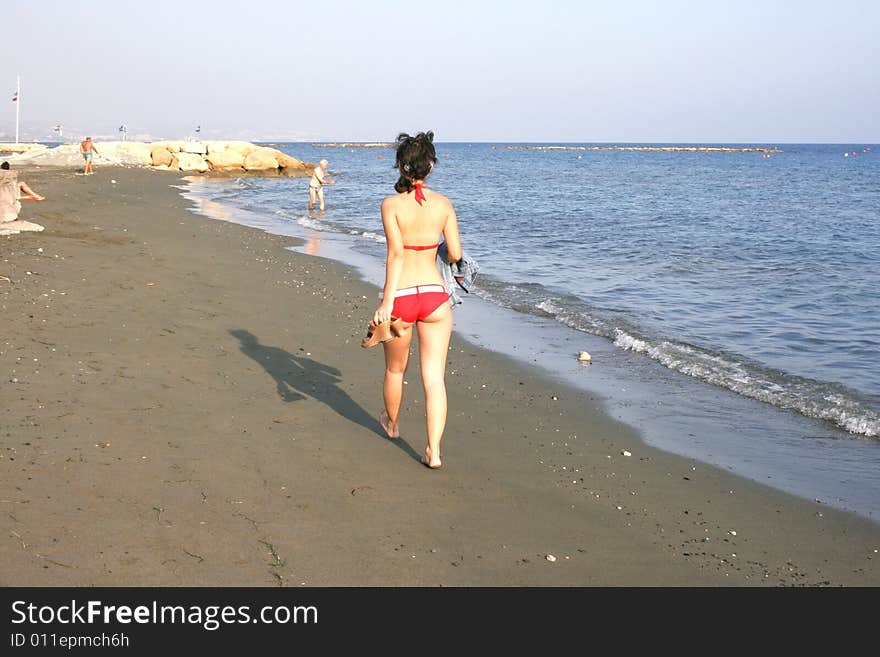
(186, 402)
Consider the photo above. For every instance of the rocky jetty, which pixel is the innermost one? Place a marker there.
(10, 147)
(230, 157)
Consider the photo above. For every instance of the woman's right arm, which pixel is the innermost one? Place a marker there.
(450, 234)
(393, 262)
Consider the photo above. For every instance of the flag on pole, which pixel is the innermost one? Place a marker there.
(15, 97)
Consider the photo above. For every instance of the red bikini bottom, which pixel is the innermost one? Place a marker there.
(415, 303)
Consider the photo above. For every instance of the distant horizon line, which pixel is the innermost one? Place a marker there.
(99, 136)
(611, 141)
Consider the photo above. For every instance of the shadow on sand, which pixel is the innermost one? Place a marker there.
(299, 377)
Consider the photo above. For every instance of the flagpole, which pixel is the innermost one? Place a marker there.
(17, 104)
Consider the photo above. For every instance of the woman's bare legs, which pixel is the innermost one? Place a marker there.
(434, 333)
(27, 191)
(396, 359)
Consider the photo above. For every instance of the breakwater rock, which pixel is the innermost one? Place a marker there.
(229, 157)
(21, 147)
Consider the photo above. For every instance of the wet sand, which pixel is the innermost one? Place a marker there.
(185, 402)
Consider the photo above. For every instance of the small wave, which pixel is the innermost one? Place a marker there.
(314, 224)
(289, 216)
(374, 237)
(548, 307)
(788, 392)
(816, 399)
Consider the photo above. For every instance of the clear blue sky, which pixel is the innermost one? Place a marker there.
(670, 70)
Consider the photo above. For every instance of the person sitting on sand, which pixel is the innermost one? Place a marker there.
(86, 147)
(414, 292)
(316, 184)
(25, 193)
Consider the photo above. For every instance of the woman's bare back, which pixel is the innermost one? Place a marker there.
(422, 225)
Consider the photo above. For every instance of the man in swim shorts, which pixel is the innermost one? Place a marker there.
(87, 148)
(316, 184)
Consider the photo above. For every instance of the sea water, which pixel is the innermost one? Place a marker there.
(730, 299)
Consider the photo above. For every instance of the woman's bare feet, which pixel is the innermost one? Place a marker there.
(390, 429)
(430, 461)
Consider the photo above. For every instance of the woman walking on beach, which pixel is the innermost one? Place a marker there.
(413, 219)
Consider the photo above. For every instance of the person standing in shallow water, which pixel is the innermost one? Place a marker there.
(413, 220)
(316, 184)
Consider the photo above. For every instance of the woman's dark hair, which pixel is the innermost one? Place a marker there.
(415, 156)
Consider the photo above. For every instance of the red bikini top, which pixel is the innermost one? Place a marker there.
(420, 195)
(421, 248)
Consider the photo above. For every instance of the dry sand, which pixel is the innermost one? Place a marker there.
(185, 402)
